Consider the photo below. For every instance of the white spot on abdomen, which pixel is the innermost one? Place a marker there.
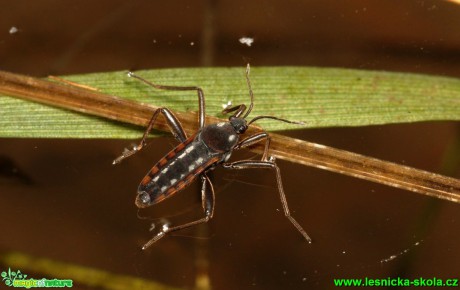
(189, 149)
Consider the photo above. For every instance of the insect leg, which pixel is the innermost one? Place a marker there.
(208, 202)
(239, 110)
(201, 104)
(254, 139)
(173, 123)
(207, 196)
(245, 164)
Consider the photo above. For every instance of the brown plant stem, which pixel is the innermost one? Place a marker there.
(294, 150)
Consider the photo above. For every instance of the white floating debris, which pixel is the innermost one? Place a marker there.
(246, 40)
(227, 105)
(392, 257)
(13, 30)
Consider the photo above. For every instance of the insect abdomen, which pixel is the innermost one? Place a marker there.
(175, 171)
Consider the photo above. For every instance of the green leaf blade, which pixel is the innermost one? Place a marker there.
(320, 97)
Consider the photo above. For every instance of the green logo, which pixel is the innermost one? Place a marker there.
(11, 276)
(18, 279)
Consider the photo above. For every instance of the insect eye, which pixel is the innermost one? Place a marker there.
(239, 124)
(242, 129)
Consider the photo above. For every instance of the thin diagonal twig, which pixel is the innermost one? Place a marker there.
(299, 151)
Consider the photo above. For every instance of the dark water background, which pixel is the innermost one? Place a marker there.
(63, 201)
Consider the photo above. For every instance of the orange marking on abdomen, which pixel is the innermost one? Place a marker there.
(183, 144)
(171, 155)
(180, 185)
(159, 198)
(179, 147)
(169, 191)
(162, 162)
(146, 180)
(154, 170)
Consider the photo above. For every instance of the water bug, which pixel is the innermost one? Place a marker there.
(196, 155)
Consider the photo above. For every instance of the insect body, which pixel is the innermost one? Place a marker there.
(210, 146)
(196, 155)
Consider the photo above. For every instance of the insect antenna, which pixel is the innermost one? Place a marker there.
(274, 118)
(248, 69)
